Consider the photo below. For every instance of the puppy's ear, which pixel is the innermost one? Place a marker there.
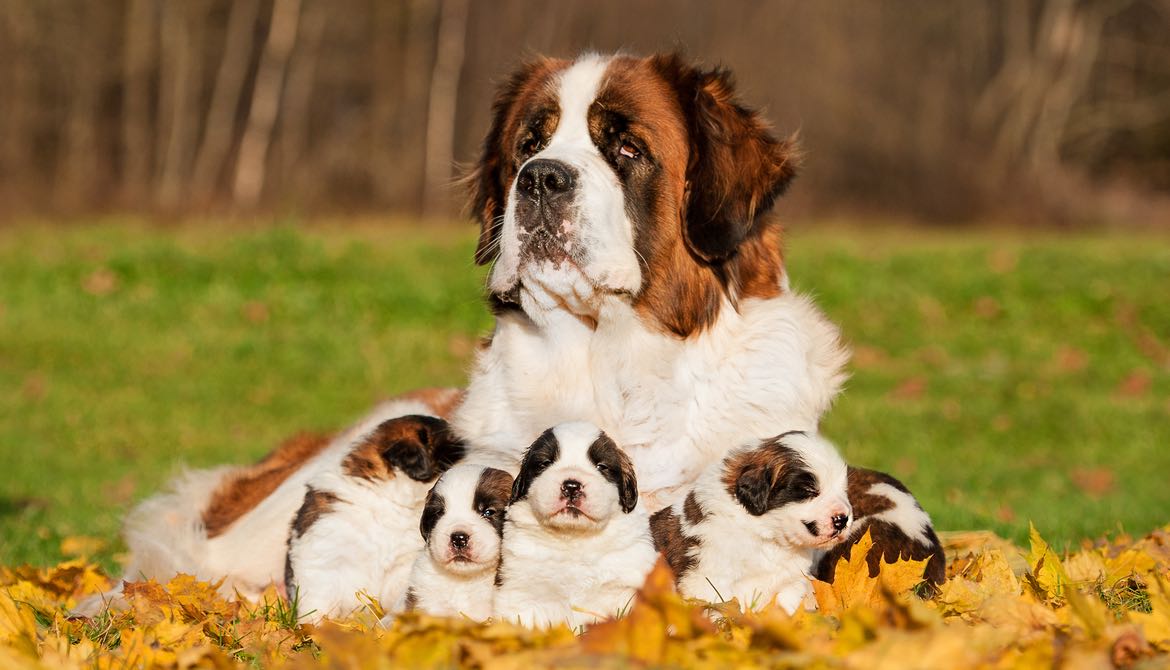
(737, 167)
(488, 179)
(421, 447)
(628, 488)
(543, 452)
(618, 469)
(432, 511)
(412, 459)
(753, 487)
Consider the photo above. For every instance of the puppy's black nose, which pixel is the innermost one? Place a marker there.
(545, 179)
(459, 540)
(840, 521)
(571, 488)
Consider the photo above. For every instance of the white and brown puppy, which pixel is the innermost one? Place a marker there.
(897, 524)
(462, 523)
(357, 529)
(753, 524)
(576, 543)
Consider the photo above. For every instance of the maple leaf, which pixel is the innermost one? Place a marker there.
(853, 586)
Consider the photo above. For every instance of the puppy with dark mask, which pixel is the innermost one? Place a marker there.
(462, 524)
(576, 544)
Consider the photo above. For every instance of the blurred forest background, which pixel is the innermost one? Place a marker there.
(1054, 111)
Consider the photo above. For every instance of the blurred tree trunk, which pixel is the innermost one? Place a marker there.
(20, 85)
(387, 87)
(295, 122)
(180, 79)
(1048, 60)
(440, 146)
(220, 128)
(266, 95)
(416, 70)
(77, 156)
(138, 58)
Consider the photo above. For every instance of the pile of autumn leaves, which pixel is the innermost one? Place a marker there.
(1105, 605)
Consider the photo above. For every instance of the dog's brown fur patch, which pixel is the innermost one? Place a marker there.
(670, 540)
(315, 505)
(692, 510)
(243, 489)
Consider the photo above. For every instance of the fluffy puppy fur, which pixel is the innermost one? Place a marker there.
(356, 531)
(576, 543)
(897, 524)
(753, 523)
(462, 523)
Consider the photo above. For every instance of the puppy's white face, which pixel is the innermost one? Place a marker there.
(463, 518)
(575, 478)
(796, 484)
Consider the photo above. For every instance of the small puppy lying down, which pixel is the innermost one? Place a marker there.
(760, 524)
(753, 523)
(576, 545)
(462, 522)
(357, 530)
(897, 524)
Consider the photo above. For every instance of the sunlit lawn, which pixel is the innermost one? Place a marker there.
(1004, 378)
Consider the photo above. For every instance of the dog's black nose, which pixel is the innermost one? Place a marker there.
(544, 179)
(840, 521)
(459, 540)
(570, 488)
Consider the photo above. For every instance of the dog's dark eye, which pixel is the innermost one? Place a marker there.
(530, 145)
(602, 468)
(545, 462)
(488, 513)
(629, 151)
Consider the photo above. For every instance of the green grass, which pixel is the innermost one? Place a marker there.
(1004, 378)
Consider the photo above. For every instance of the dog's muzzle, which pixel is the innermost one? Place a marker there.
(544, 210)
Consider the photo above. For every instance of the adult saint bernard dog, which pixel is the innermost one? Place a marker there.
(637, 283)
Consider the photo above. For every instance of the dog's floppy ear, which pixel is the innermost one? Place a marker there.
(761, 478)
(617, 468)
(737, 167)
(487, 180)
(412, 459)
(421, 447)
(628, 488)
(432, 510)
(543, 452)
(753, 487)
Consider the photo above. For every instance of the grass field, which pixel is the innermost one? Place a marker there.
(1004, 378)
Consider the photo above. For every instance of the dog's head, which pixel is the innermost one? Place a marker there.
(420, 447)
(640, 178)
(795, 485)
(575, 478)
(463, 518)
